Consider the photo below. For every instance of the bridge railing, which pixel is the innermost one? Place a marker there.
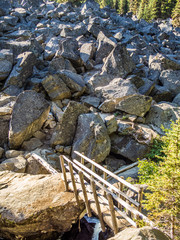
(128, 208)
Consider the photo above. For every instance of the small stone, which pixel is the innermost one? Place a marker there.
(68, 150)
(13, 153)
(32, 144)
(40, 135)
(1, 152)
(59, 148)
(17, 164)
(111, 124)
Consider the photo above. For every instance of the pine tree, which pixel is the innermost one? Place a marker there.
(176, 15)
(166, 8)
(163, 200)
(123, 6)
(141, 10)
(155, 9)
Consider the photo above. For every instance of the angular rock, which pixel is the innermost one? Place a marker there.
(69, 49)
(140, 233)
(51, 47)
(13, 153)
(171, 80)
(176, 100)
(6, 63)
(111, 124)
(128, 147)
(17, 164)
(138, 105)
(65, 130)
(55, 87)
(57, 112)
(73, 81)
(60, 63)
(29, 113)
(22, 70)
(119, 62)
(47, 211)
(105, 46)
(31, 144)
(91, 138)
(87, 52)
(90, 101)
(162, 114)
(1, 152)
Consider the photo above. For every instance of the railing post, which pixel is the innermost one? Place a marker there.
(113, 216)
(73, 183)
(64, 172)
(105, 178)
(93, 167)
(88, 209)
(121, 186)
(97, 205)
(140, 197)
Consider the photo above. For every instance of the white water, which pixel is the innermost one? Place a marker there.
(97, 228)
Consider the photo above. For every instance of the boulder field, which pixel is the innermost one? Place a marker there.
(78, 78)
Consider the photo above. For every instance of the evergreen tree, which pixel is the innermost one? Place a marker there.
(166, 8)
(155, 9)
(176, 15)
(163, 200)
(141, 10)
(123, 6)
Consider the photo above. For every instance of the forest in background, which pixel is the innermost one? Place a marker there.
(144, 9)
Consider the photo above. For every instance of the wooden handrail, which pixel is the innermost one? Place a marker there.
(122, 202)
(129, 185)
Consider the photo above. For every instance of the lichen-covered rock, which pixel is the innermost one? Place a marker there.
(17, 164)
(162, 114)
(6, 63)
(119, 62)
(29, 113)
(65, 130)
(140, 234)
(91, 137)
(33, 206)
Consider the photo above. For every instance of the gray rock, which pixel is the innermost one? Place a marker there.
(87, 52)
(73, 81)
(1, 152)
(128, 147)
(5, 6)
(55, 87)
(31, 144)
(22, 70)
(6, 63)
(51, 47)
(162, 114)
(161, 93)
(91, 137)
(90, 101)
(34, 167)
(57, 112)
(171, 80)
(140, 233)
(111, 124)
(176, 100)
(29, 113)
(13, 153)
(65, 130)
(138, 105)
(69, 49)
(60, 63)
(105, 46)
(17, 164)
(118, 63)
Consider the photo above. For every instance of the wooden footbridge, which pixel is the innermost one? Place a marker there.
(107, 201)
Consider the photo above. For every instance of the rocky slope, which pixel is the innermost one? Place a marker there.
(85, 79)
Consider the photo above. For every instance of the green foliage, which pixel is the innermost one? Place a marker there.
(163, 178)
(176, 15)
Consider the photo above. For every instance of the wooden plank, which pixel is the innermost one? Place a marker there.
(132, 187)
(64, 172)
(88, 209)
(113, 216)
(46, 165)
(73, 182)
(111, 187)
(98, 206)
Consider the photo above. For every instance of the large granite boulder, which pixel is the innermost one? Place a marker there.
(140, 234)
(22, 70)
(119, 62)
(64, 132)
(171, 80)
(91, 137)
(29, 113)
(34, 206)
(6, 63)
(162, 114)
